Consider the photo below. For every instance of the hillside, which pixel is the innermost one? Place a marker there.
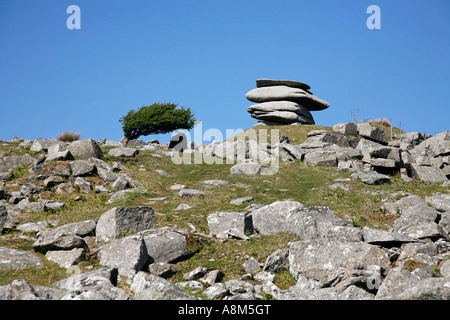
(150, 178)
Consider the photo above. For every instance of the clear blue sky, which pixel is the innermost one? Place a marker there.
(207, 54)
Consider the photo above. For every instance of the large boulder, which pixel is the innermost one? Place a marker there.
(85, 149)
(290, 83)
(44, 144)
(223, 224)
(428, 174)
(320, 259)
(249, 169)
(120, 221)
(285, 93)
(128, 254)
(170, 244)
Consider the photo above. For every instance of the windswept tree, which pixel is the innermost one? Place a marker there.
(156, 119)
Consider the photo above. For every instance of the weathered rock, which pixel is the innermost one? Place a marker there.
(191, 192)
(95, 288)
(121, 183)
(216, 291)
(82, 168)
(123, 152)
(108, 273)
(81, 229)
(285, 93)
(243, 200)
(221, 224)
(13, 259)
(439, 201)
(3, 217)
(290, 83)
(212, 277)
(397, 281)
(370, 177)
(428, 174)
(119, 221)
(346, 128)
(195, 274)
(132, 258)
(169, 244)
(58, 241)
(272, 218)
(427, 289)
(85, 149)
(18, 289)
(66, 258)
(11, 162)
(324, 158)
(59, 152)
(216, 182)
(384, 238)
(40, 144)
(277, 260)
(147, 286)
(319, 258)
(400, 206)
(372, 133)
(161, 269)
(251, 266)
(83, 185)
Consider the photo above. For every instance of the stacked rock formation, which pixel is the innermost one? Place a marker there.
(284, 102)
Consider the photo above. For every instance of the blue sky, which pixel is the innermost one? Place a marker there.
(207, 54)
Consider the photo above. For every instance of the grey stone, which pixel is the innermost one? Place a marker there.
(427, 289)
(216, 291)
(108, 273)
(397, 281)
(285, 117)
(83, 185)
(277, 260)
(121, 183)
(81, 229)
(161, 269)
(319, 258)
(216, 182)
(58, 152)
(290, 83)
(439, 201)
(121, 220)
(52, 181)
(212, 277)
(385, 238)
(11, 162)
(51, 205)
(445, 269)
(272, 218)
(372, 133)
(284, 110)
(57, 241)
(40, 144)
(132, 258)
(32, 227)
(325, 158)
(18, 289)
(107, 175)
(371, 177)
(221, 224)
(400, 206)
(243, 200)
(123, 152)
(428, 174)
(13, 259)
(191, 192)
(183, 206)
(195, 274)
(284, 93)
(355, 293)
(95, 288)
(169, 244)
(66, 258)
(85, 149)
(346, 128)
(251, 266)
(147, 286)
(3, 217)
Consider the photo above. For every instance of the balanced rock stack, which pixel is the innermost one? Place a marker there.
(284, 102)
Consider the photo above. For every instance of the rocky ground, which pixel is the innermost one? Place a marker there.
(348, 215)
